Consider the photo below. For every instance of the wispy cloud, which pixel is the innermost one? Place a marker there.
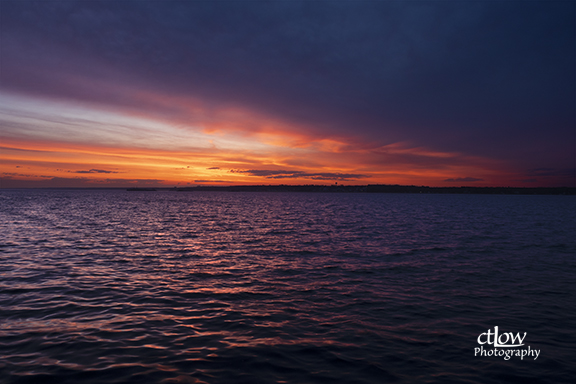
(283, 86)
(95, 171)
(284, 174)
(544, 172)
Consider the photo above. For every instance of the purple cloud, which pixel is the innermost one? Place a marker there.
(442, 75)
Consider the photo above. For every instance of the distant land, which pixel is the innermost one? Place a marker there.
(370, 188)
(382, 188)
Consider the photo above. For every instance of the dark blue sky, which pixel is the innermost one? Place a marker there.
(484, 79)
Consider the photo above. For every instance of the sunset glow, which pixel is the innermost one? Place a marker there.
(77, 117)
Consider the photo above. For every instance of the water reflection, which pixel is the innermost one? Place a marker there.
(168, 287)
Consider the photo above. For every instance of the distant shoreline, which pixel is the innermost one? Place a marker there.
(385, 188)
(370, 188)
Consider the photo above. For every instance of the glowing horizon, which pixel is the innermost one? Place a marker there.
(173, 111)
(116, 148)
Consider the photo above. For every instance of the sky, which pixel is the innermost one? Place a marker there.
(186, 93)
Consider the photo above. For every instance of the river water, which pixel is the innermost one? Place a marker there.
(110, 286)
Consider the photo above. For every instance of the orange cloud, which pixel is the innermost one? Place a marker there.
(200, 144)
(322, 161)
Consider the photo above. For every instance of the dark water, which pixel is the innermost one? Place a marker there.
(165, 287)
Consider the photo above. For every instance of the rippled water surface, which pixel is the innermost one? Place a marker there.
(220, 287)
